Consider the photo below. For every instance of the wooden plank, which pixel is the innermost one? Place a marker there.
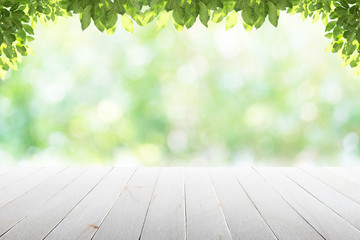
(5, 170)
(166, 215)
(329, 224)
(351, 174)
(284, 203)
(283, 220)
(338, 202)
(125, 220)
(204, 216)
(84, 220)
(19, 188)
(244, 220)
(338, 183)
(43, 219)
(16, 210)
(15, 176)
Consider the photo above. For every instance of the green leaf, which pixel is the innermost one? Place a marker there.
(349, 49)
(273, 14)
(162, 20)
(99, 25)
(110, 31)
(212, 4)
(329, 47)
(9, 52)
(191, 14)
(119, 7)
(29, 38)
(329, 35)
(204, 14)
(127, 23)
(178, 27)
(357, 35)
(316, 17)
(136, 4)
(18, 19)
(21, 49)
(85, 17)
(337, 47)
(231, 20)
(170, 5)
(330, 26)
(324, 19)
(149, 16)
(356, 70)
(190, 22)
(218, 16)
(239, 5)
(4, 65)
(247, 27)
(179, 15)
(110, 18)
(247, 15)
(354, 61)
(28, 29)
(259, 22)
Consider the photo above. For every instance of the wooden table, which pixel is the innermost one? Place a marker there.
(179, 203)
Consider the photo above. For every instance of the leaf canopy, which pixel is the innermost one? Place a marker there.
(18, 19)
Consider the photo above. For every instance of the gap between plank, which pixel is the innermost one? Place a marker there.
(329, 172)
(185, 214)
(21, 178)
(77, 204)
(319, 199)
(34, 187)
(253, 203)
(114, 203)
(220, 204)
(289, 203)
(151, 198)
(46, 200)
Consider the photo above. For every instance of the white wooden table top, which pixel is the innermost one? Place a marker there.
(103, 203)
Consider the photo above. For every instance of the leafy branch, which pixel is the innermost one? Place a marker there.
(18, 19)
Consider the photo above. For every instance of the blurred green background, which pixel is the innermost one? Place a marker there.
(200, 97)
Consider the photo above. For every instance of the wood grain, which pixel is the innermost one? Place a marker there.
(15, 176)
(338, 183)
(10, 193)
(84, 220)
(125, 220)
(337, 202)
(244, 220)
(5, 170)
(348, 173)
(204, 216)
(44, 218)
(179, 203)
(166, 216)
(283, 219)
(16, 210)
(324, 220)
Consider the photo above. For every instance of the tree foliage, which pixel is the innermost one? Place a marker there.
(18, 19)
